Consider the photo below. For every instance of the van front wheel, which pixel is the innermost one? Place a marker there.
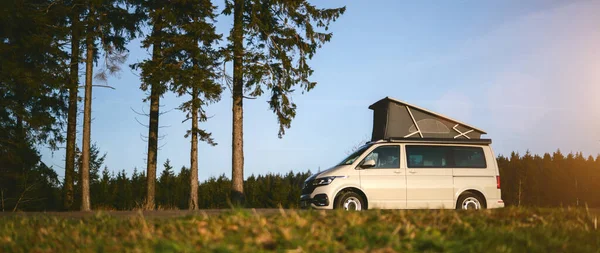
(350, 201)
(468, 201)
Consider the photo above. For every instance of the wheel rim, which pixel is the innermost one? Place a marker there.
(352, 204)
(471, 203)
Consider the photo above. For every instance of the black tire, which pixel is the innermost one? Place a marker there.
(469, 200)
(351, 201)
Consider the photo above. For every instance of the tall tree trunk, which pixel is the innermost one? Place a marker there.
(237, 163)
(87, 120)
(21, 144)
(153, 130)
(193, 205)
(519, 193)
(72, 114)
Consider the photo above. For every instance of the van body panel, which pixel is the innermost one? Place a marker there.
(387, 187)
(429, 188)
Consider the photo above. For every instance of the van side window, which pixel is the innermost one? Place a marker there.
(428, 156)
(385, 157)
(445, 157)
(469, 157)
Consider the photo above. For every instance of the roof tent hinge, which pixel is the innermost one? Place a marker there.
(461, 133)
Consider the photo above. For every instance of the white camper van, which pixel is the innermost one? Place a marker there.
(429, 166)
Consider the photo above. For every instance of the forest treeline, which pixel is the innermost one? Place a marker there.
(551, 180)
(42, 191)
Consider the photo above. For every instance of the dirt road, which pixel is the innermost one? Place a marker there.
(168, 213)
(146, 214)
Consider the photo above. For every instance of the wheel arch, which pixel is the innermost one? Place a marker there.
(350, 189)
(474, 191)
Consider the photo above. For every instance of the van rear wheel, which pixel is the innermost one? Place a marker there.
(469, 201)
(350, 201)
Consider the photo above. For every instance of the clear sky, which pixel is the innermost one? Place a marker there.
(526, 72)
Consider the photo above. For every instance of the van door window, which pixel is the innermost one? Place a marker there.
(428, 156)
(385, 157)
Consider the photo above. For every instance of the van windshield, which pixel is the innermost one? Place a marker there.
(351, 158)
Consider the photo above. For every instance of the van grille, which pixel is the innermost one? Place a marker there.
(308, 187)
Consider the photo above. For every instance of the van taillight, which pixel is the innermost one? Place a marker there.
(498, 182)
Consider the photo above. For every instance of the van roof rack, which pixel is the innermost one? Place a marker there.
(440, 140)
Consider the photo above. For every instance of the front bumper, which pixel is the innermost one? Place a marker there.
(319, 200)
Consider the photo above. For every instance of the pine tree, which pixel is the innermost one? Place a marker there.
(153, 79)
(596, 182)
(33, 72)
(587, 178)
(166, 193)
(104, 197)
(197, 74)
(270, 43)
(73, 86)
(95, 163)
(109, 25)
(547, 188)
(123, 192)
(519, 179)
(183, 39)
(138, 187)
(530, 174)
(183, 188)
(558, 166)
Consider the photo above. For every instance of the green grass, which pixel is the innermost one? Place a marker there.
(504, 230)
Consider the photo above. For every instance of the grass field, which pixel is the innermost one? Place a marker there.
(503, 230)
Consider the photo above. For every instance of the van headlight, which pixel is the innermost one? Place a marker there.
(325, 180)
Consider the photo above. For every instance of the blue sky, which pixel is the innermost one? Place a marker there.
(524, 71)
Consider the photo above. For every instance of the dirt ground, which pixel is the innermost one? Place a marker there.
(146, 214)
(168, 213)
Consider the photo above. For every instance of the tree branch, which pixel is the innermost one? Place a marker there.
(139, 113)
(143, 138)
(160, 148)
(144, 125)
(99, 85)
(22, 195)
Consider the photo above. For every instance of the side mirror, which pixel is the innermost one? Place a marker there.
(368, 164)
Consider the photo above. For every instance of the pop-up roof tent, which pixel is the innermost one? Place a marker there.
(396, 119)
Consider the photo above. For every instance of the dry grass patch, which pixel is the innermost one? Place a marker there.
(505, 230)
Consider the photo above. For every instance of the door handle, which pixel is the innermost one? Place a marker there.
(412, 171)
(397, 171)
